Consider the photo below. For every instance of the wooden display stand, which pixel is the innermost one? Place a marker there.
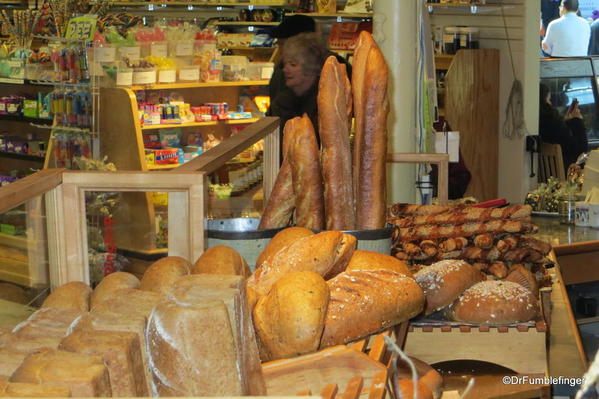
(472, 106)
(352, 371)
(122, 142)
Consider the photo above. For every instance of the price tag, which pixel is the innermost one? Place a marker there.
(144, 77)
(82, 28)
(189, 74)
(184, 49)
(132, 53)
(159, 50)
(104, 54)
(168, 76)
(124, 78)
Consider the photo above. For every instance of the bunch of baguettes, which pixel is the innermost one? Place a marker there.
(330, 188)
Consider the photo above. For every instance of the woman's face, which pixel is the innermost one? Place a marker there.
(294, 74)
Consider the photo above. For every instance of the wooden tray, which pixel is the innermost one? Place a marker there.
(352, 371)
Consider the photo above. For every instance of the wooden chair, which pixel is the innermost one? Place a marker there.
(551, 162)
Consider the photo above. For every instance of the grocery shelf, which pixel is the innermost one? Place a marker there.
(459, 5)
(163, 167)
(246, 23)
(197, 85)
(25, 157)
(192, 124)
(199, 3)
(333, 15)
(246, 48)
(24, 119)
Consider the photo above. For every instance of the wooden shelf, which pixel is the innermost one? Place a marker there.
(198, 85)
(443, 61)
(13, 241)
(197, 4)
(164, 167)
(588, 320)
(334, 15)
(459, 5)
(194, 124)
(247, 48)
(25, 157)
(10, 2)
(246, 23)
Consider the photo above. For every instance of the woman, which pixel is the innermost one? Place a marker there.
(303, 57)
(568, 131)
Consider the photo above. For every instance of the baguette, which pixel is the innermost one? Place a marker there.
(306, 176)
(371, 150)
(366, 301)
(335, 153)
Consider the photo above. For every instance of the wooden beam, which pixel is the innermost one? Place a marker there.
(216, 157)
(442, 160)
(131, 180)
(28, 188)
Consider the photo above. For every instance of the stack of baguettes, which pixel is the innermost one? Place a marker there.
(329, 188)
(202, 329)
(494, 240)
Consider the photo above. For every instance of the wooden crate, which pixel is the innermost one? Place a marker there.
(521, 348)
(352, 371)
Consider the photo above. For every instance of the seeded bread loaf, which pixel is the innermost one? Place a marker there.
(368, 260)
(281, 240)
(163, 273)
(221, 259)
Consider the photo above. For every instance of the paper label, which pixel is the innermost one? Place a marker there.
(184, 49)
(82, 28)
(167, 76)
(124, 78)
(189, 74)
(158, 50)
(104, 54)
(144, 78)
(133, 53)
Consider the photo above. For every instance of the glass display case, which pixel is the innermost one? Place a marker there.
(575, 78)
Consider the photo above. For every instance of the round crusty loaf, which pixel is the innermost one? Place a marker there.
(496, 302)
(368, 260)
(289, 320)
(521, 275)
(73, 295)
(221, 259)
(163, 273)
(281, 240)
(444, 281)
(110, 284)
(366, 301)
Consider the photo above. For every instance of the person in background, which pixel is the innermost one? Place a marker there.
(594, 39)
(568, 131)
(289, 27)
(302, 58)
(567, 36)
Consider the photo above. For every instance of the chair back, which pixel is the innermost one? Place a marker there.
(551, 162)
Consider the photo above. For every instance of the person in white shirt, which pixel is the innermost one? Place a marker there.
(567, 36)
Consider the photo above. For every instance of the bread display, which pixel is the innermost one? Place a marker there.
(10, 360)
(306, 176)
(372, 299)
(24, 390)
(289, 320)
(333, 128)
(121, 353)
(84, 375)
(111, 283)
(495, 302)
(163, 273)
(444, 281)
(129, 302)
(73, 295)
(282, 239)
(221, 259)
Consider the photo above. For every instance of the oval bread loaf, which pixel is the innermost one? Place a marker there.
(521, 275)
(444, 281)
(163, 273)
(281, 240)
(221, 259)
(495, 302)
(289, 320)
(366, 301)
(110, 284)
(321, 253)
(368, 260)
(73, 295)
